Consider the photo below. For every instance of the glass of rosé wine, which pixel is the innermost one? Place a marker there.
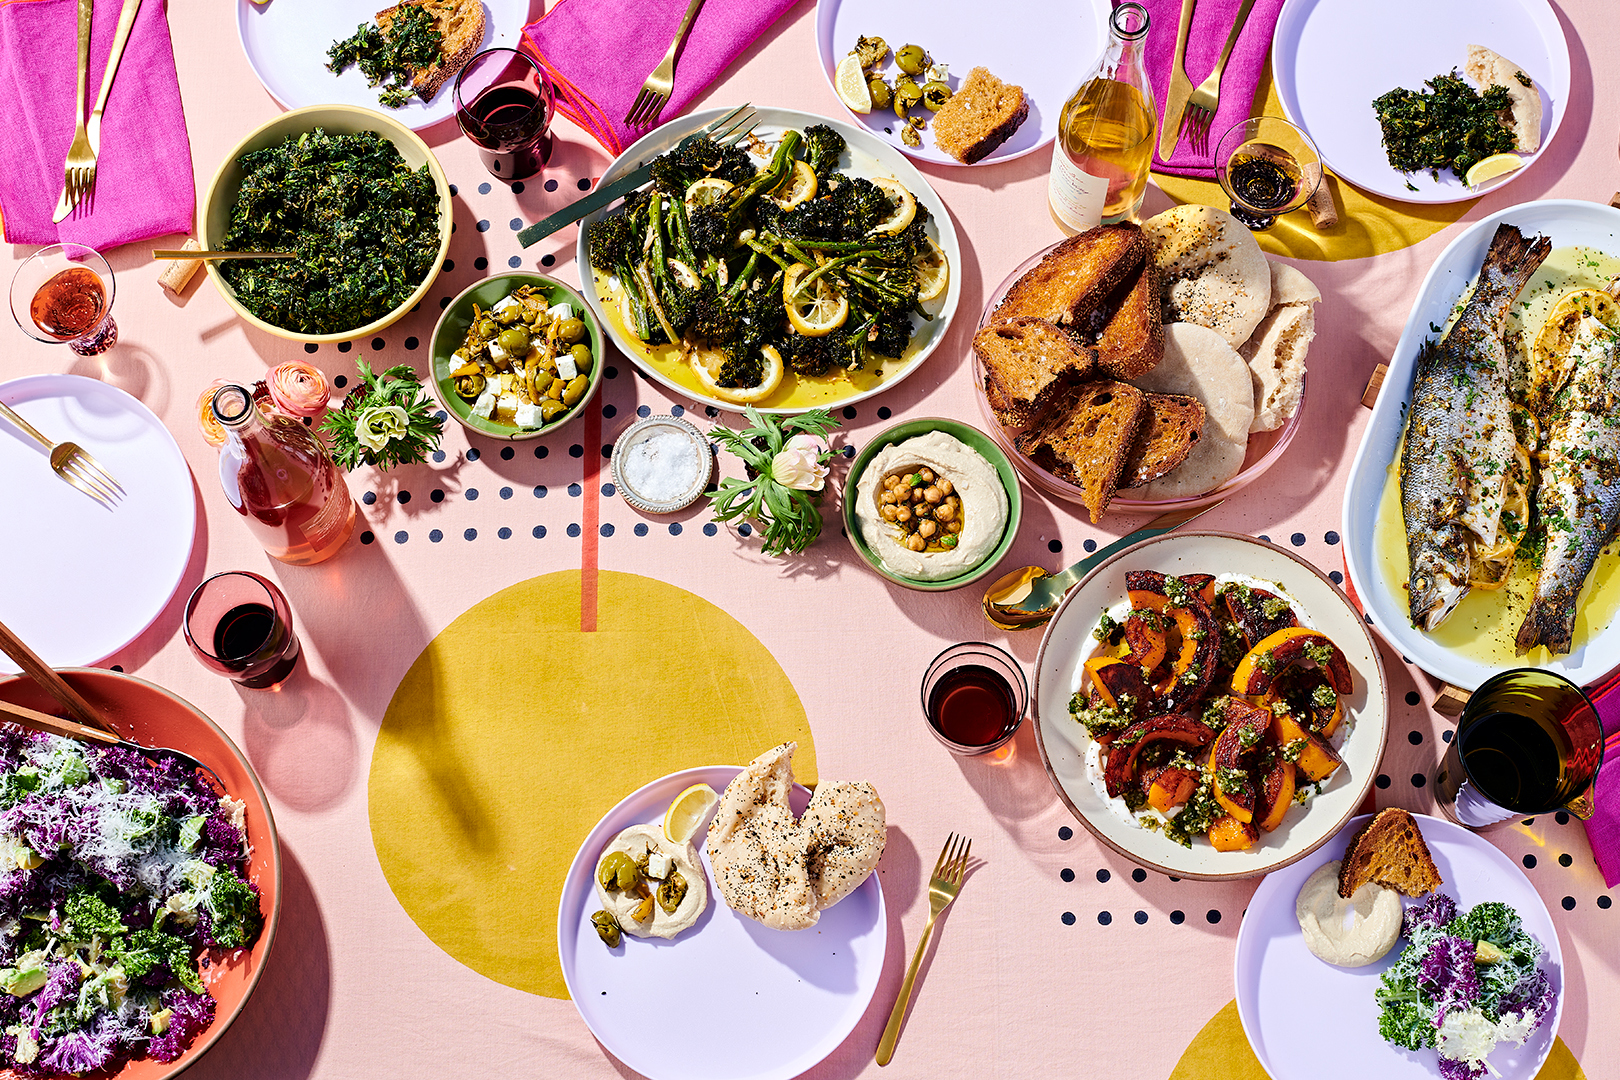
(64, 294)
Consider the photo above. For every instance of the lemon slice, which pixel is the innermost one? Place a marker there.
(705, 191)
(814, 310)
(685, 275)
(688, 812)
(795, 188)
(933, 272)
(1490, 168)
(707, 361)
(850, 81)
(905, 206)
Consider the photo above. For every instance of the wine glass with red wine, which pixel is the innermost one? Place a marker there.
(64, 294)
(1267, 167)
(238, 624)
(974, 696)
(504, 104)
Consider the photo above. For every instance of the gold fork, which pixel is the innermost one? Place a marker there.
(126, 19)
(1201, 105)
(942, 889)
(80, 158)
(656, 90)
(73, 463)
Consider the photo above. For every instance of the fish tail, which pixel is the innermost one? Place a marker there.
(1550, 622)
(1513, 257)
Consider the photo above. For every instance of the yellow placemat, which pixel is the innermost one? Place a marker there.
(1222, 1050)
(513, 733)
(1368, 225)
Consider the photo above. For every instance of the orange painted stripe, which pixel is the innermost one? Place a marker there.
(590, 528)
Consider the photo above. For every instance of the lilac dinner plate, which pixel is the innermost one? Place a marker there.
(728, 999)
(1305, 1017)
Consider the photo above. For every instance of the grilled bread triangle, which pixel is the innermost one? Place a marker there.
(1132, 340)
(1027, 362)
(1076, 277)
(1389, 850)
(462, 23)
(1087, 437)
(1166, 438)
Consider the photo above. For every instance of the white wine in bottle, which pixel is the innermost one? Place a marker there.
(1106, 132)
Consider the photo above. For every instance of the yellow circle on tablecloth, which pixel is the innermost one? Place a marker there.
(513, 733)
(1368, 225)
(1222, 1050)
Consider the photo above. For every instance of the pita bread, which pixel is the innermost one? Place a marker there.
(1211, 269)
(1487, 68)
(1276, 352)
(1198, 362)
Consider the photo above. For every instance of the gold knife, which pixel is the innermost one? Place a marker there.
(1181, 88)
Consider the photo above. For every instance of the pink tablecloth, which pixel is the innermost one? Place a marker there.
(1061, 958)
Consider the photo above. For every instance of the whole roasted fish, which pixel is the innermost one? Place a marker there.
(1460, 446)
(1578, 499)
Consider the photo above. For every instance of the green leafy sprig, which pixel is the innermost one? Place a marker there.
(408, 441)
(789, 518)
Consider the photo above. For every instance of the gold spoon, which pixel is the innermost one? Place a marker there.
(1027, 597)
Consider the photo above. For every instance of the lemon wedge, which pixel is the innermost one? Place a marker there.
(933, 272)
(850, 81)
(707, 362)
(688, 812)
(1490, 168)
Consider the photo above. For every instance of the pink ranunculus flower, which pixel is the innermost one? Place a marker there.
(298, 389)
(799, 463)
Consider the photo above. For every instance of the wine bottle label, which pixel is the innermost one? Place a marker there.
(1076, 196)
(319, 527)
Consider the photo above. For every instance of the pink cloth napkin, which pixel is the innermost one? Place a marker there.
(1603, 829)
(599, 52)
(1211, 23)
(143, 175)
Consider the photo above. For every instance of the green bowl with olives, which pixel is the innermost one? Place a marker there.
(527, 351)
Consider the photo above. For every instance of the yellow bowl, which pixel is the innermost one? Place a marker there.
(337, 120)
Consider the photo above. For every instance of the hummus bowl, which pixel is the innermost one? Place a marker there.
(977, 468)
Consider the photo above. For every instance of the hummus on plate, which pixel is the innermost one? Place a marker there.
(950, 543)
(635, 842)
(1350, 933)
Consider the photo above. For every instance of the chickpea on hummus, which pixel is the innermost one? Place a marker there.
(931, 507)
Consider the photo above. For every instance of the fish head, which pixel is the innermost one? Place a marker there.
(1438, 582)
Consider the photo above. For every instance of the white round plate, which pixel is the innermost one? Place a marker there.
(866, 156)
(83, 581)
(728, 999)
(1063, 742)
(1290, 1002)
(286, 42)
(1045, 48)
(1569, 222)
(1331, 58)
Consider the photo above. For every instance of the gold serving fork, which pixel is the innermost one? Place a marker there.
(656, 90)
(942, 889)
(1201, 105)
(76, 173)
(73, 463)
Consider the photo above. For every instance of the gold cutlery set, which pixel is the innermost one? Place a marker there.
(1185, 106)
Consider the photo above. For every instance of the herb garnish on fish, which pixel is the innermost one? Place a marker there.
(364, 224)
(1453, 127)
(412, 42)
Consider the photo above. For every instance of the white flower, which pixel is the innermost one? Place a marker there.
(799, 464)
(380, 425)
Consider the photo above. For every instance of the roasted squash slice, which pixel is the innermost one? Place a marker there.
(1294, 645)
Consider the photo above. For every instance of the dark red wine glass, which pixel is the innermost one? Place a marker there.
(504, 104)
(974, 696)
(238, 624)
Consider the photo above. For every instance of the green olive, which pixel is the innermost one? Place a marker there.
(617, 871)
(571, 330)
(671, 892)
(469, 387)
(906, 96)
(935, 94)
(582, 357)
(486, 328)
(911, 59)
(515, 341)
(509, 316)
(607, 928)
(882, 95)
(575, 390)
(550, 409)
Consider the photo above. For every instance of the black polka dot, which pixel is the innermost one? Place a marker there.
(435, 536)
(411, 343)
(1568, 902)
(551, 185)
(515, 261)
(610, 411)
(607, 450)
(884, 413)
(1527, 822)
(1418, 779)
(710, 529)
(1139, 874)
(508, 453)
(1213, 915)
(849, 451)
(506, 493)
(441, 416)
(483, 189)
(311, 347)
(471, 494)
(1331, 537)
(1298, 539)
(710, 411)
(449, 265)
(515, 224)
(849, 412)
(1415, 738)
(1562, 817)
(539, 532)
(547, 260)
(401, 536)
(643, 411)
(504, 533)
(1104, 918)
(1604, 902)
(1068, 918)
(1103, 875)
(120, 667)
(575, 490)
(539, 491)
(641, 528)
(378, 344)
(438, 455)
(1054, 546)
(1090, 545)
(608, 490)
(576, 451)
(437, 495)
(677, 410)
(1565, 859)
(573, 530)
(745, 529)
(1174, 878)
(1382, 781)
(473, 453)
(366, 537)
(1065, 833)
(610, 372)
(470, 534)
(483, 226)
(1445, 736)
(1066, 874)
(444, 302)
(1335, 577)
(541, 451)
(369, 498)
(1141, 918)
(584, 184)
(340, 381)
(309, 421)
(517, 187)
(403, 497)
(481, 263)
(1413, 697)
(674, 528)
(454, 190)
(1529, 862)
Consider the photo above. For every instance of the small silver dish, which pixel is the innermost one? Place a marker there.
(630, 464)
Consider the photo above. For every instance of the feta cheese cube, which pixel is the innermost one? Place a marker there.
(508, 403)
(561, 311)
(485, 405)
(566, 368)
(503, 305)
(497, 353)
(528, 416)
(658, 865)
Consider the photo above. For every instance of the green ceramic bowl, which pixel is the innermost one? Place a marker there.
(978, 441)
(451, 332)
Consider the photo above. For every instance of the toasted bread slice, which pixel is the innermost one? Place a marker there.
(1132, 340)
(1166, 438)
(1389, 850)
(1027, 363)
(1077, 276)
(1087, 437)
(462, 24)
(982, 114)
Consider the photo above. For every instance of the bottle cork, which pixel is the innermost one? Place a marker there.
(1323, 213)
(177, 273)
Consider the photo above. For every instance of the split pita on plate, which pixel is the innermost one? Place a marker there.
(1276, 352)
(1198, 362)
(1487, 68)
(1211, 269)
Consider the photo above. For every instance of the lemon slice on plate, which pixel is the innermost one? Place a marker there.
(905, 205)
(933, 272)
(815, 309)
(851, 83)
(1492, 167)
(707, 362)
(688, 812)
(704, 192)
(795, 188)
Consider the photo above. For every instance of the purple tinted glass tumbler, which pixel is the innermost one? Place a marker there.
(239, 624)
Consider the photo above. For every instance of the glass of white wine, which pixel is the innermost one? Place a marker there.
(1267, 167)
